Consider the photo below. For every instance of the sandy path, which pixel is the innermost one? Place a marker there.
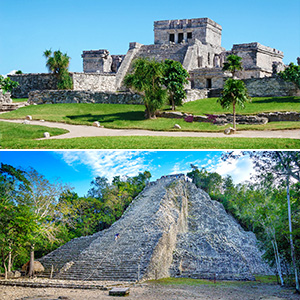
(155, 292)
(90, 131)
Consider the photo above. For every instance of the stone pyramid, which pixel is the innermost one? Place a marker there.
(171, 229)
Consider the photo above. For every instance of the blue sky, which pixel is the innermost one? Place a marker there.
(78, 168)
(28, 27)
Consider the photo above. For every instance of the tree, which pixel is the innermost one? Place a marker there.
(147, 79)
(41, 199)
(284, 167)
(58, 64)
(7, 85)
(233, 64)
(292, 74)
(16, 221)
(234, 93)
(175, 76)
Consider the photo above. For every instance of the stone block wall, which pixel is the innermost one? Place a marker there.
(68, 96)
(271, 87)
(6, 98)
(31, 82)
(94, 82)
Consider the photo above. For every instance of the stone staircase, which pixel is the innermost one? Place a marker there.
(171, 229)
(101, 257)
(5, 107)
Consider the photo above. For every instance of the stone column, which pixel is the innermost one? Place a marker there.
(185, 36)
(176, 37)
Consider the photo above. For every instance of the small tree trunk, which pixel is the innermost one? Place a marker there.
(5, 271)
(31, 263)
(291, 236)
(277, 260)
(9, 261)
(234, 125)
(173, 103)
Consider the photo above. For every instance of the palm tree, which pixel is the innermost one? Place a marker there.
(58, 64)
(234, 93)
(232, 64)
(146, 80)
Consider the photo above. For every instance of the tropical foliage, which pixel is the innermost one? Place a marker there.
(157, 82)
(291, 73)
(7, 85)
(175, 76)
(234, 93)
(146, 79)
(58, 64)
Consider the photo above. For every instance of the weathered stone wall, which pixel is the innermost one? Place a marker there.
(94, 82)
(200, 78)
(67, 96)
(31, 82)
(6, 98)
(203, 29)
(271, 87)
(194, 94)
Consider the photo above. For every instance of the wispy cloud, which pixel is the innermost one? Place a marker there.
(108, 163)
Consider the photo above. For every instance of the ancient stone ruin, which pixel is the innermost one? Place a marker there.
(195, 43)
(171, 229)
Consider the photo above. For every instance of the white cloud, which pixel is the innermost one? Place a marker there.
(240, 170)
(108, 163)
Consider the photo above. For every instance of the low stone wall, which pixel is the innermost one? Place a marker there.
(94, 82)
(271, 87)
(6, 98)
(69, 96)
(195, 94)
(223, 119)
(31, 82)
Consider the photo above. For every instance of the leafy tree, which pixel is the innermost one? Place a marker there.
(41, 199)
(292, 74)
(175, 76)
(233, 64)
(147, 79)
(16, 221)
(234, 93)
(58, 64)
(284, 167)
(7, 85)
(19, 72)
(210, 182)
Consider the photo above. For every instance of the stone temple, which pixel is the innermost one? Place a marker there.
(171, 228)
(196, 43)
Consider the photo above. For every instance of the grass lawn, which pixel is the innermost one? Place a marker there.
(14, 133)
(17, 100)
(21, 136)
(132, 116)
(270, 279)
(257, 105)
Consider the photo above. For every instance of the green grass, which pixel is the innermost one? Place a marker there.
(132, 116)
(258, 105)
(21, 136)
(17, 100)
(194, 282)
(12, 132)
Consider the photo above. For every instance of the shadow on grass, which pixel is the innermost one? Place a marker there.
(278, 100)
(109, 118)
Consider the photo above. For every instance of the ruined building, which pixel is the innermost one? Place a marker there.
(196, 43)
(171, 228)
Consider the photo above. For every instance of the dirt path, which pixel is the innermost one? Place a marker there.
(90, 131)
(156, 292)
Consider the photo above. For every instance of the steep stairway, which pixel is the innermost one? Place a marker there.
(171, 229)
